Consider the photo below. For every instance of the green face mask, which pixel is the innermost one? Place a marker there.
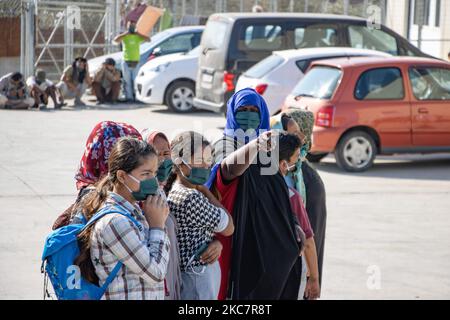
(248, 120)
(303, 152)
(164, 170)
(146, 187)
(198, 176)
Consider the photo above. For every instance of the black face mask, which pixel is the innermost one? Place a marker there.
(132, 29)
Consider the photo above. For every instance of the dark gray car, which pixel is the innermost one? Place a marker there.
(233, 42)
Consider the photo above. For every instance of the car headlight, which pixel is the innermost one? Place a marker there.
(161, 67)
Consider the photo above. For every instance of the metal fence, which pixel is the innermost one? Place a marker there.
(181, 8)
(55, 32)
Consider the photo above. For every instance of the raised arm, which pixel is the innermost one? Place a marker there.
(236, 163)
(118, 39)
(144, 37)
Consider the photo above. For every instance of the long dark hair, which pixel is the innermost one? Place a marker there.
(183, 146)
(127, 154)
(81, 74)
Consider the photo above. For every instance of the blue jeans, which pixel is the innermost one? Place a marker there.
(201, 286)
(129, 74)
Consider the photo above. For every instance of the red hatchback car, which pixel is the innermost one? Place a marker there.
(366, 106)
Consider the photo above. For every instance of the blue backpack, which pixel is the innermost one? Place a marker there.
(61, 250)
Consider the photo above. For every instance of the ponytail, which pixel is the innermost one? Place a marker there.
(95, 199)
(170, 180)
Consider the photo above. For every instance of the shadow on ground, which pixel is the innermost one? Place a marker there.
(424, 167)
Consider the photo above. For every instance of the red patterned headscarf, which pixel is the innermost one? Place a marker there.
(150, 135)
(94, 163)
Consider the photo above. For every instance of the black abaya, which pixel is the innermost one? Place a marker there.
(316, 208)
(265, 251)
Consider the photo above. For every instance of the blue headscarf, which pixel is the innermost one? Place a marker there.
(246, 97)
(242, 98)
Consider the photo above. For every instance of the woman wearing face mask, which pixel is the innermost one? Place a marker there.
(94, 164)
(262, 256)
(143, 249)
(308, 179)
(199, 215)
(162, 147)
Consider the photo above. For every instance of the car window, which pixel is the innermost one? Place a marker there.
(261, 37)
(154, 40)
(264, 66)
(314, 36)
(362, 37)
(180, 43)
(210, 39)
(380, 84)
(303, 64)
(320, 82)
(430, 83)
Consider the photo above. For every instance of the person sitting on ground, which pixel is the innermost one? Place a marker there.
(13, 92)
(106, 82)
(40, 88)
(75, 80)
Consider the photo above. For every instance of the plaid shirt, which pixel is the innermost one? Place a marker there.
(144, 253)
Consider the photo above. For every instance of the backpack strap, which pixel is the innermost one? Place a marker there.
(111, 276)
(103, 212)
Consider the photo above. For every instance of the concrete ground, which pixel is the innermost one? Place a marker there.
(387, 230)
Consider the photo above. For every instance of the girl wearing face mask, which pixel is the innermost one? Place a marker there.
(199, 215)
(143, 248)
(162, 147)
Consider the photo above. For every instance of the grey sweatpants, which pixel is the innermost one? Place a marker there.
(201, 286)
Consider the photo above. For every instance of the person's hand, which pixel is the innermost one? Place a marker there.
(156, 211)
(312, 290)
(212, 253)
(266, 141)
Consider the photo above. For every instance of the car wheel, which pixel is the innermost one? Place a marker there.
(314, 158)
(356, 151)
(180, 96)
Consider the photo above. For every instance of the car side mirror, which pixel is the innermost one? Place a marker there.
(157, 51)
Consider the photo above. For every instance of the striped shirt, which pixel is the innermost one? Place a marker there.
(144, 253)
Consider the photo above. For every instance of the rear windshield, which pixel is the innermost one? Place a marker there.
(214, 34)
(262, 68)
(320, 82)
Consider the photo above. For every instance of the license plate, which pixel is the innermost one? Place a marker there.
(207, 78)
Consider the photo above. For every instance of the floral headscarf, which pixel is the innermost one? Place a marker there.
(305, 120)
(94, 163)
